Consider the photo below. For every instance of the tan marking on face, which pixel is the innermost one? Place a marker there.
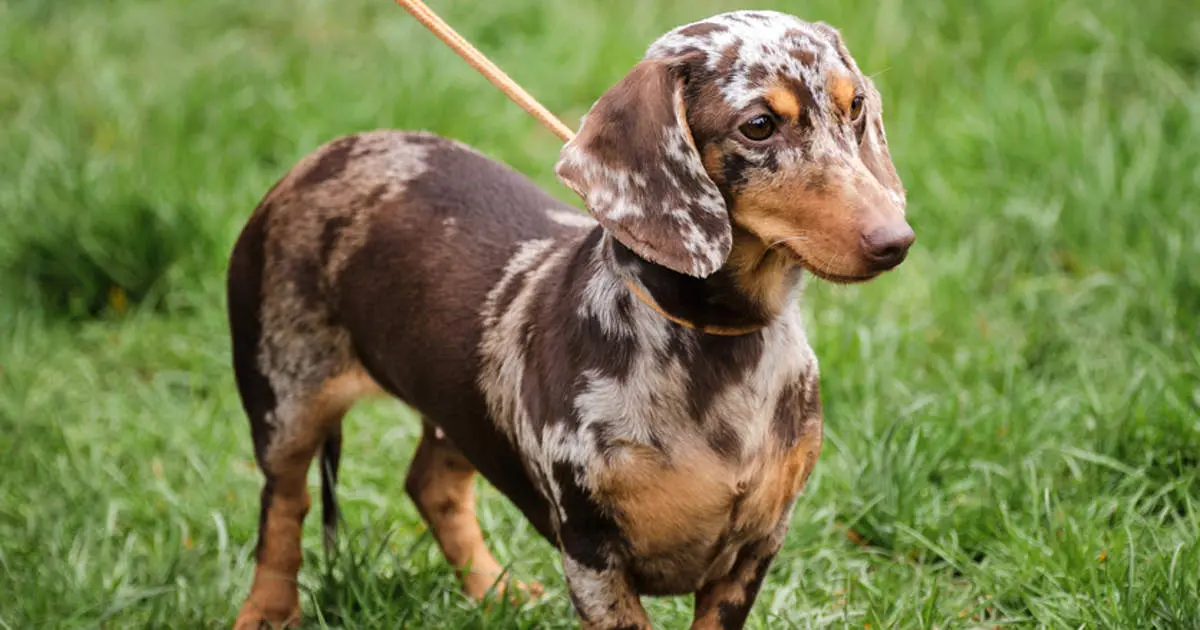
(841, 87)
(819, 227)
(783, 102)
(713, 159)
(681, 118)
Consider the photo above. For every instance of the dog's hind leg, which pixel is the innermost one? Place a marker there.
(441, 483)
(293, 436)
(297, 377)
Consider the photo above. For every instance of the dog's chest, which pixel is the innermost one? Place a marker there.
(685, 517)
(693, 444)
(692, 467)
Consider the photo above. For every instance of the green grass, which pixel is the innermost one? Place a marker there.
(1013, 417)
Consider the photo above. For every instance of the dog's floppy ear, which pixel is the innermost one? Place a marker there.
(637, 168)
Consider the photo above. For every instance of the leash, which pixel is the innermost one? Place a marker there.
(489, 70)
(493, 73)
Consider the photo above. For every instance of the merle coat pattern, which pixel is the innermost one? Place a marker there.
(636, 382)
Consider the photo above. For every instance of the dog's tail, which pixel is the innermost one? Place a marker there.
(331, 455)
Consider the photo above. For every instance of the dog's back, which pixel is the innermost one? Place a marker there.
(367, 267)
(397, 237)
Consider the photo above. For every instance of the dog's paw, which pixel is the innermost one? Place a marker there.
(527, 591)
(479, 586)
(253, 617)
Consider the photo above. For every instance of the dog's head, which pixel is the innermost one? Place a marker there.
(752, 121)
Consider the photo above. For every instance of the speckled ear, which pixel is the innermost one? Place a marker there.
(637, 168)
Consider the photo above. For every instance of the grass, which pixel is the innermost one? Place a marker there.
(1013, 417)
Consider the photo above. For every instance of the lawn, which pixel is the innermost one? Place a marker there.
(1012, 417)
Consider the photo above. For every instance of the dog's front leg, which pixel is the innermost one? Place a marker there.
(593, 553)
(604, 596)
(724, 603)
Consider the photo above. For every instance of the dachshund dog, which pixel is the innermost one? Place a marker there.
(637, 381)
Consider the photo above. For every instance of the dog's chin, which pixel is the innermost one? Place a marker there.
(827, 274)
(836, 278)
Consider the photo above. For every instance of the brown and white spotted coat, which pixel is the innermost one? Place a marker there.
(573, 360)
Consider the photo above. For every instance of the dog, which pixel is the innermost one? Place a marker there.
(636, 380)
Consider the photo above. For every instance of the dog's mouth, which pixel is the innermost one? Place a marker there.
(827, 275)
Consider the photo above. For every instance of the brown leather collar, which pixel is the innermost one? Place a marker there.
(727, 331)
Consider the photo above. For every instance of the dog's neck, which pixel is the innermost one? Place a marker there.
(750, 292)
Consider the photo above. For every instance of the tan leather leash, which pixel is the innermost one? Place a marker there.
(489, 70)
(493, 73)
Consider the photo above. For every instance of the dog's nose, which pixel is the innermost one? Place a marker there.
(885, 247)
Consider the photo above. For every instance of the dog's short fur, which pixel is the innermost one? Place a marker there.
(544, 348)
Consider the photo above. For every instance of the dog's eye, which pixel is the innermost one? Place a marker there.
(758, 128)
(856, 108)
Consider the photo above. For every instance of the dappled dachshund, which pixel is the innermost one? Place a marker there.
(639, 383)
